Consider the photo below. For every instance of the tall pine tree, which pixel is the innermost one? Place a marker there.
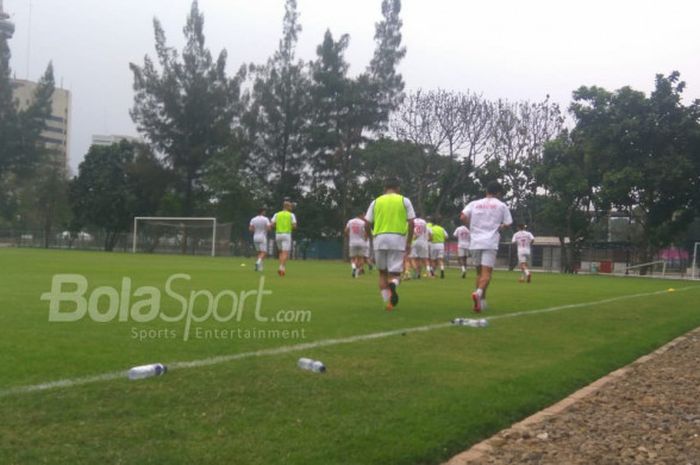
(347, 110)
(278, 117)
(21, 148)
(187, 109)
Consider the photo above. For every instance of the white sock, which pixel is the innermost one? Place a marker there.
(479, 292)
(527, 273)
(442, 267)
(353, 266)
(464, 269)
(386, 293)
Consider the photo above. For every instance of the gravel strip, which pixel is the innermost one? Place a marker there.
(646, 413)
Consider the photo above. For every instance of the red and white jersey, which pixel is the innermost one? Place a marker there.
(357, 234)
(463, 236)
(421, 232)
(485, 218)
(524, 240)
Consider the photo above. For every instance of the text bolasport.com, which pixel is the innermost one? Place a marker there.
(106, 304)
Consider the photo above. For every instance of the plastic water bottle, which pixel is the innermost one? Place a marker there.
(470, 322)
(146, 371)
(312, 365)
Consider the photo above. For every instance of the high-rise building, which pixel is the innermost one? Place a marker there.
(55, 135)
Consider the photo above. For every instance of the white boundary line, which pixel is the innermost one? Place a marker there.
(306, 346)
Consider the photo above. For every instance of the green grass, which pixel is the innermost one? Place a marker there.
(418, 398)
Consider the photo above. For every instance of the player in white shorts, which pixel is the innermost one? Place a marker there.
(462, 235)
(259, 226)
(524, 240)
(420, 252)
(284, 222)
(437, 249)
(391, 216)
(356, 232)
(486, 218)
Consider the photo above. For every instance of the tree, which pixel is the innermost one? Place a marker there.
(187, 109)
(21, 148)
(569, 177)
(520, 130)
(345, 109)
(46, 197)
(453, 126)
(279, 115)
(647, 149)
(333, 134)
(33, 180)
(114, 184)
(387, 84)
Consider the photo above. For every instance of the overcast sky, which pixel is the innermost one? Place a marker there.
(515, 49)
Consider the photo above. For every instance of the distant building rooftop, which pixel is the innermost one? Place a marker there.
(109, 139)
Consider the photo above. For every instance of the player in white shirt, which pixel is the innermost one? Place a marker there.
(420, 249)
(259, 226)
(486, 218)
(358, 243)
(462, 235)
(524, 239)
(391, 216)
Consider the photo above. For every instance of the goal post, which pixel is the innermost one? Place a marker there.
(655, 266)
(694, 268)
(171, 232)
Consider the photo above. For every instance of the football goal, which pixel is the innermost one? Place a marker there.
(175, 235)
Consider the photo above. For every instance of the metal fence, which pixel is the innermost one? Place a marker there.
(606, 257)
(329, 249)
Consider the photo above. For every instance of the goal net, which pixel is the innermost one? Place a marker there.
(191, 236)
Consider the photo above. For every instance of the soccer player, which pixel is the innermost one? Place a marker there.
(485, 218)
(524, 239)
(259, 226)
(437, 249)
(391, 216)
(462, 235)
(284, 222)
(420, 253)
(356, 231)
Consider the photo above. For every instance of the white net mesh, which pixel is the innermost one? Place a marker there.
(182, 236)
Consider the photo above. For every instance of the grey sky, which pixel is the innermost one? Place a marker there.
(515, 49)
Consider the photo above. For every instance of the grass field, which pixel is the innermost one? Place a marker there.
(396, 399)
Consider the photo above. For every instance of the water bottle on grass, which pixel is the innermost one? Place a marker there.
(312, 365)
(146, 371)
